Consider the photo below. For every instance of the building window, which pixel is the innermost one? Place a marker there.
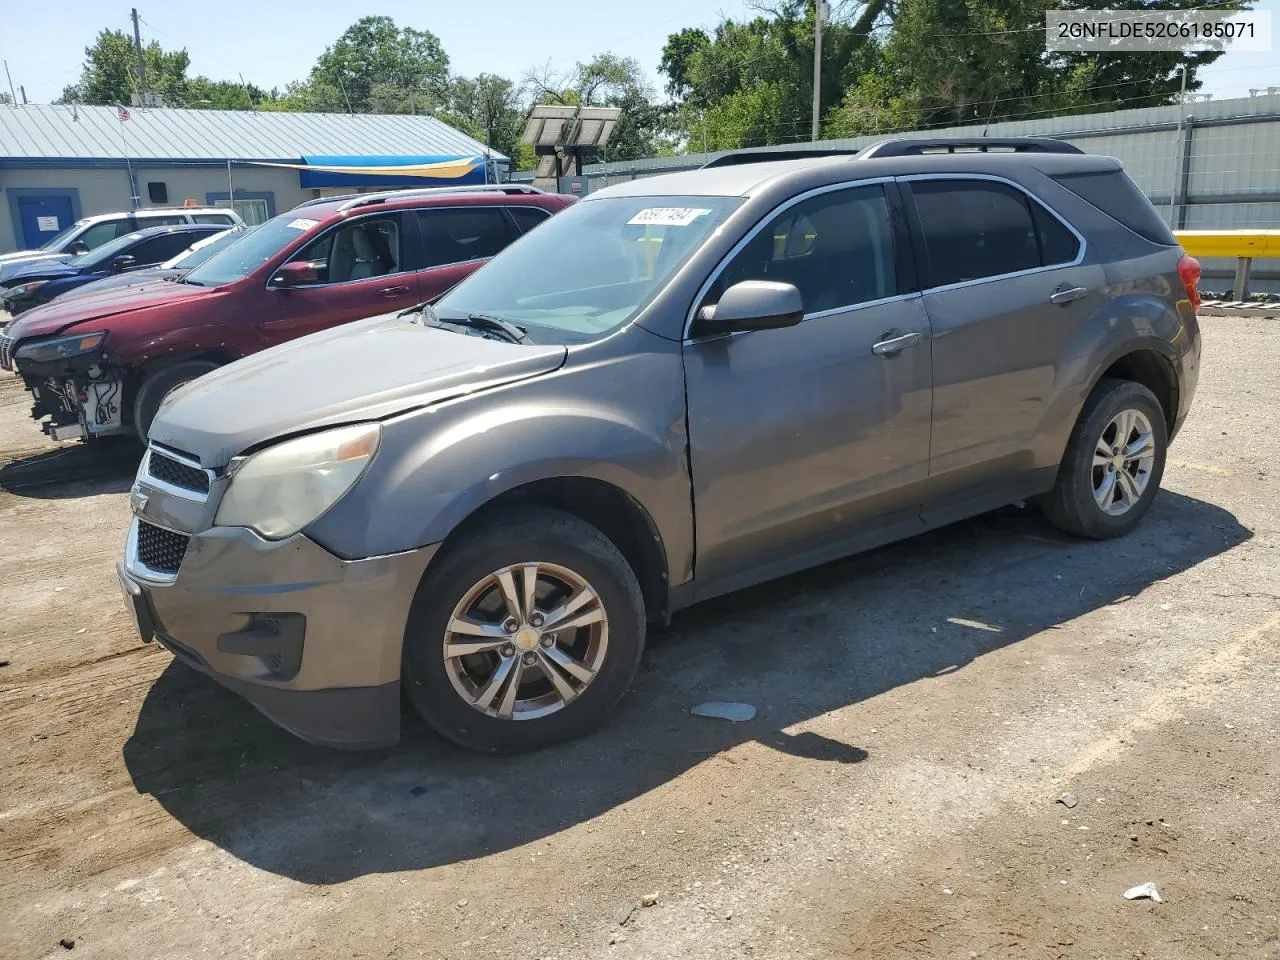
(251, 211)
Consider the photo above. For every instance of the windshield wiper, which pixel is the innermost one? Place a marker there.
(482, 321)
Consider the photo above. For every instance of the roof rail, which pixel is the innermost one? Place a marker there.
(738, 157)
(367, 199)
(915, 147)
(314, 200)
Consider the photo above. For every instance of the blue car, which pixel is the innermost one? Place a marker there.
(41, 282)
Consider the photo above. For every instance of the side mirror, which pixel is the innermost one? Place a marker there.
(753, 305)
(296, 274)
(123, 262)
(78, 249)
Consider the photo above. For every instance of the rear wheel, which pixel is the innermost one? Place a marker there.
(159, 385)
(525, 633)
(1113, 465)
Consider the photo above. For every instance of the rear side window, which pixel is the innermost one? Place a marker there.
(162, 221)
(459, 234)
(215, 218)
(1112, 192)
(528, 217)
(974, 229)
(1057, 243)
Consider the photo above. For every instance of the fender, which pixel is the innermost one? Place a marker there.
(437, 466)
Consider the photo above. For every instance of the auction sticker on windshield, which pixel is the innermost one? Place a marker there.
(668, 216)
(302, 223)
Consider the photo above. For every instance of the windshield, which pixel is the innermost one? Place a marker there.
(58, 239)
(238, 260)
(591, 268)
(95, 258)
(202, 250)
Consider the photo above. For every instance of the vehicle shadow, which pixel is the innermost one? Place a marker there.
(72, 470)
(796, 649)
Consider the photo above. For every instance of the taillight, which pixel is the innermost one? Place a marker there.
(1189, 272)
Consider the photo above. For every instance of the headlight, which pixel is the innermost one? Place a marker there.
(22, 289)
(281, 489)
(42, 351)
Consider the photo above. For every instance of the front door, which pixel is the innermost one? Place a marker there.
(364, 267)
(811, 440)
(1007, 296)
(43, 217)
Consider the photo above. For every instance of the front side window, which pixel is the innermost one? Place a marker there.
(836, 248)
(459, 234)
(356, 251)
(104, 254)
(974, 229)
(161, 248)
(591, 268)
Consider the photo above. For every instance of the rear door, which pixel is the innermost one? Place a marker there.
(1007, 295)
(456, 241)
(365, 267)
(806, 438)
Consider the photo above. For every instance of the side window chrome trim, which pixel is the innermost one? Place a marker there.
(764, 222)
(1080, 252)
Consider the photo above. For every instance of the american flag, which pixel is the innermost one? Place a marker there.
(121, 113)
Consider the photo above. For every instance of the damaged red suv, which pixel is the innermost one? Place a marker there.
(101, 365)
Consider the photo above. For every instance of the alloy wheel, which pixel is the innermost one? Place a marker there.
(525, 641)
(1122, 461)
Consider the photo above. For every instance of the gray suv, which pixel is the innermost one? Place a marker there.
(680, 387)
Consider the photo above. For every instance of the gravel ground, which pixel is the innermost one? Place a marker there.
(921, 711)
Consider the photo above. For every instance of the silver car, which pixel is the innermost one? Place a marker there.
(680, 387)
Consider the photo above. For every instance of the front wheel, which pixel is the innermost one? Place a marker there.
(1113, 465)
(158, 386)
(524, 633)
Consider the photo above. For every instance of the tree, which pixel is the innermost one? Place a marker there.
(110, 71)
(374, 52)
(948, 63)
(487, 107)
(203, 93)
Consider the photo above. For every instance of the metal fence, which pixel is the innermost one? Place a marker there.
(1208, 165)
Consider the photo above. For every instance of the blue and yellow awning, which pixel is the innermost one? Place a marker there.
(401, 171)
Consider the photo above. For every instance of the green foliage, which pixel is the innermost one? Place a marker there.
(374, 53)
(110, 71)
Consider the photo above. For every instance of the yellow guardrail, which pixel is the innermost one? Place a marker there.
(1244, 245)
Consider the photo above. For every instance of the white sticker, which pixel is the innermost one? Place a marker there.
(302, 223)
(668, 216)
(46, 224)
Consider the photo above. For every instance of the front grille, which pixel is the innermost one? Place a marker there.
(6, 352)
(178, 474)
(159, 549)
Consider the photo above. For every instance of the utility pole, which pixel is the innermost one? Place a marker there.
(142, 69)
(12, 96)
(817, 64)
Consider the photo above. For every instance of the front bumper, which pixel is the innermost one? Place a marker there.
(312, 641)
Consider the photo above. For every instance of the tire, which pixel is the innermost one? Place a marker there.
(158, 386)
(1080, 501)
(444, 690)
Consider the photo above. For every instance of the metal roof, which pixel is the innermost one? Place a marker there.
(49, 132)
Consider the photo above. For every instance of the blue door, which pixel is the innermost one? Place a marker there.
(43, 217)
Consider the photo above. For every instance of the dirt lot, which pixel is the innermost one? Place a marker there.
(921, 709)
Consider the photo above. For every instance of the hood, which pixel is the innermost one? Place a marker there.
(59, 315)
(368, 370)
(119, 282)
(10, 263)
(41, 270)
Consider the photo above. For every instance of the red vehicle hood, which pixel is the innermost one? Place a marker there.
(57, 317)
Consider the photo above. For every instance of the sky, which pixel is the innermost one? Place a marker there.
(271, 43)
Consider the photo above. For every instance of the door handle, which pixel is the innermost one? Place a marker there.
(894, 343)
(392, 291)
(1064, 295)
